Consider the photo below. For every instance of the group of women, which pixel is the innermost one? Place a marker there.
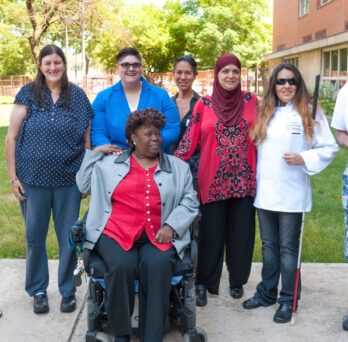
(241, 157)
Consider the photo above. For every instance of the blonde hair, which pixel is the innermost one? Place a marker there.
(302, 103)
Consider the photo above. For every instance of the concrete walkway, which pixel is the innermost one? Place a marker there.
(319, 317)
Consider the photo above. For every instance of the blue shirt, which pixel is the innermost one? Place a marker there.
(111, 111)
(50, 145)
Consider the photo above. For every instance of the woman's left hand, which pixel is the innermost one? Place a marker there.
(165, 234)
(293, 158)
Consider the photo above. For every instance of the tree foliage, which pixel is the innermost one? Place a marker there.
(224, 26)
(203, 28)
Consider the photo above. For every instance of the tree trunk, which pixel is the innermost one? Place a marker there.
(35, 48)
(264, 71)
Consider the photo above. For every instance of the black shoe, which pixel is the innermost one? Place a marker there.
(283, 314)
(345, 323)
(68, 304)
(40, 303)
(201, 296)
(252, 303)
(236, 292)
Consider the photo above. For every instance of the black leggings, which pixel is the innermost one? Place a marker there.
(229, 222)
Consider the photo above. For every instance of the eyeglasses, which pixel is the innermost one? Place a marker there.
(127, 65)
(282, 81)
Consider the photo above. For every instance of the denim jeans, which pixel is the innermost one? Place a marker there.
(345, 206)
(64, 204)
(280, 233)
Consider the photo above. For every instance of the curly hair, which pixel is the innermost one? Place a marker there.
(147, 117)
(302, 103)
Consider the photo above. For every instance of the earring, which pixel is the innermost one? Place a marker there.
(134, 143)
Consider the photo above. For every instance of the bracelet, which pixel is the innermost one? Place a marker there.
(14, 180)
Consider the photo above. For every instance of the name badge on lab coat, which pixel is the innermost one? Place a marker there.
(295, 130)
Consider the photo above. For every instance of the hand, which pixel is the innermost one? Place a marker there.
(109, 149)
(293, 159)
(18, 190)
(165, 234)
(84, 196)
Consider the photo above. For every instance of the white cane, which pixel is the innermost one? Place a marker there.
(314, 110)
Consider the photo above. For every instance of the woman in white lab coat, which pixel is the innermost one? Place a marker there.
(291, 145)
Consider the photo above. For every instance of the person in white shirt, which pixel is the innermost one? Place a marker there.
(285, 134)
(340, 123)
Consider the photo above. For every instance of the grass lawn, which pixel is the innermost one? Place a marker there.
(5, 109)
(324, 226)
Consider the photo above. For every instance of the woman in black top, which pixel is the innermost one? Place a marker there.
(185, 72)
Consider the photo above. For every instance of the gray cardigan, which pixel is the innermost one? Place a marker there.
(99, 176)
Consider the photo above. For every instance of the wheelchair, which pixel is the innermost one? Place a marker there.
(182, 311)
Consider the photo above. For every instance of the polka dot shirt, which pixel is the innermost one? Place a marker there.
(50, 145)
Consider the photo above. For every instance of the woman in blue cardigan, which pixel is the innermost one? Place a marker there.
(113, 105)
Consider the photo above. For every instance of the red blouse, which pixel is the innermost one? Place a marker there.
(228, 157)
(136, 205)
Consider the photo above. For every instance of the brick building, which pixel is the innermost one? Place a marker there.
(313, 35)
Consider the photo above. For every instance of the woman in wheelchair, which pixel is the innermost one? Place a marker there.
(142, 204)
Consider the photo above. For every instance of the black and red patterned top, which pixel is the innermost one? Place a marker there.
(228, 157)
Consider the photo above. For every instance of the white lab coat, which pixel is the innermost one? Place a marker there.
(279, 186)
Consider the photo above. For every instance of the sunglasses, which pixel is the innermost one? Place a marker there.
(282, 81)
(127, 65)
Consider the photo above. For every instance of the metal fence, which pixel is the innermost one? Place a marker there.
(10, 84)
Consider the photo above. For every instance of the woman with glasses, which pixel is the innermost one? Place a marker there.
(113, 105)
(291, 145)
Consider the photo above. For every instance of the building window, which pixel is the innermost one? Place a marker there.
(304, 7)
(334, 67)
(320, 34)
(291, 60)
(323, 2)
(307, 39)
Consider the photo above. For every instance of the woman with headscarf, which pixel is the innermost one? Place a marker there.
(226, 179)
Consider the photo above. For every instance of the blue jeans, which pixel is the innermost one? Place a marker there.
(345, 206)
(64, 202)
(280, 233)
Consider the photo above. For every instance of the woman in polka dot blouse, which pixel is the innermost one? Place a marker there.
(45, 145)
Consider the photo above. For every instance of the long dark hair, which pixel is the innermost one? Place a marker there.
(302, 102)
(38, 89)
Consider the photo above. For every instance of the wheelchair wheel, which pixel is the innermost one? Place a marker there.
(199, 336)
(102, 337)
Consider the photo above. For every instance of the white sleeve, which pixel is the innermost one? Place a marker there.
(324, 147)
(340, 116)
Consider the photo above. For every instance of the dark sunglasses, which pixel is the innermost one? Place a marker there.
(282, 81)
(126, 65)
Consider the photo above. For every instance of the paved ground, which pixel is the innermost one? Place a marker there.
(319, 317)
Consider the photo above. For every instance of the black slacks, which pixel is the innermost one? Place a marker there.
(155, 270)
(229, 223)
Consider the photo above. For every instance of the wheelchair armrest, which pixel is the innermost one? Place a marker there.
(94, 264)
(87, 258)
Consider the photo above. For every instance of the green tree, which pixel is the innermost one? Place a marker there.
(15, 53)
(208, 28)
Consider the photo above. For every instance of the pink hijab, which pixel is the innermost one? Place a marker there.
(228, 105)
